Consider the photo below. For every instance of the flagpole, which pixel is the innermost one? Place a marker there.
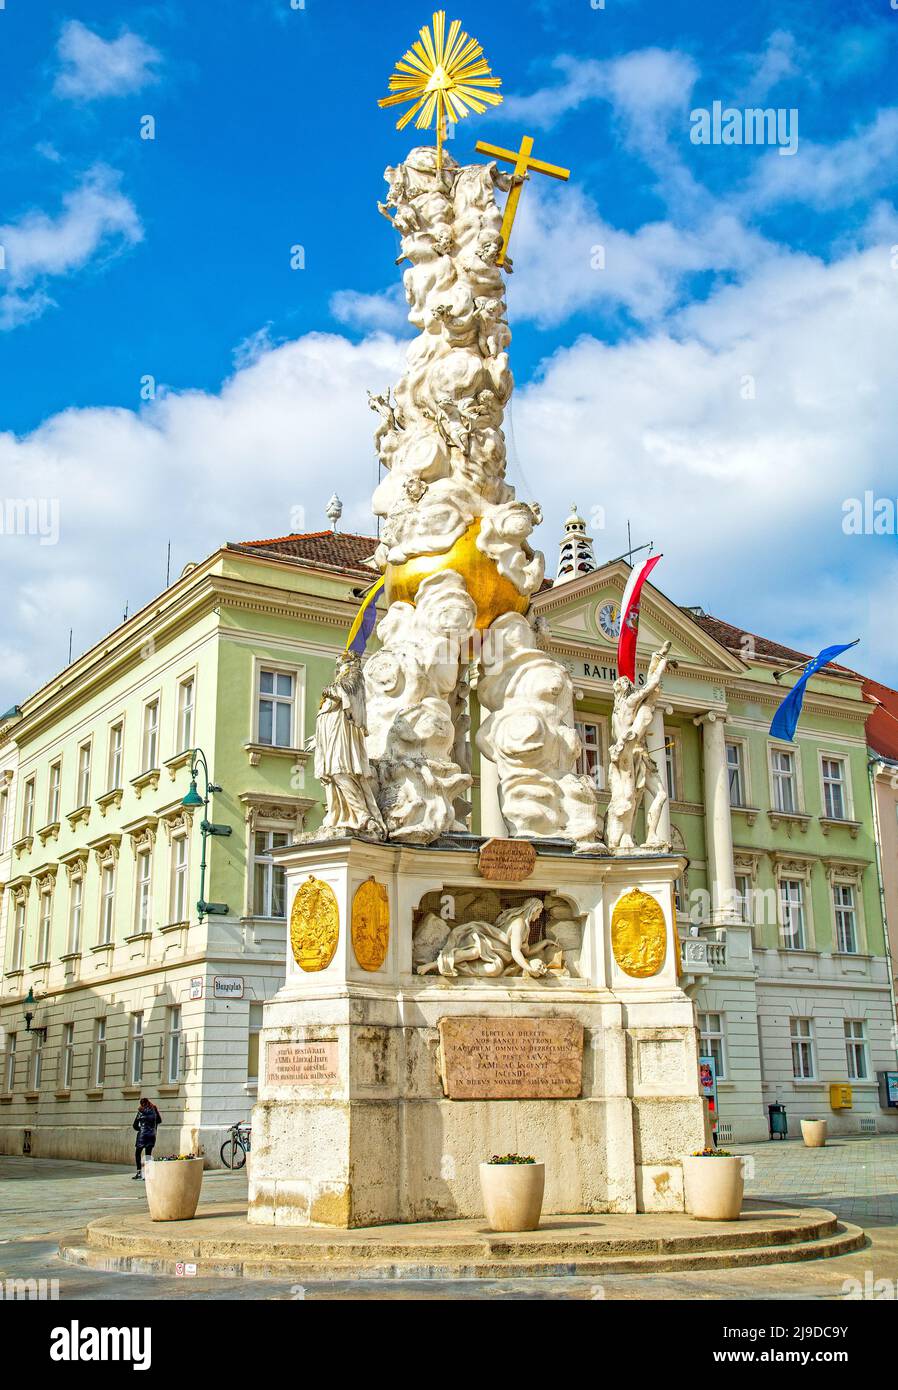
(799, 665)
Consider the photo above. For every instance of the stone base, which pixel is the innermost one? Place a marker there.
(364, 1133)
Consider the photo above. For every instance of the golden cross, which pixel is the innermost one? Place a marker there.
(522, 165)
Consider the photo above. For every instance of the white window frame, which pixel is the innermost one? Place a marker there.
(98, 1075)
(9, 1064)
(19, 909)
(136, 1048)
(174, 1033)
(741, 747)
(143, 901)
(268, 864)
(253, 1048)
(277, 668)
(743, 899)
(115, 755)
(28, 792)
(824, 756)
(45, 924)
(4, 817)
(179, 885)
(54, 791)
(802, 1038)
(856, 1048)
(779, 749)
(76, 914)
(709, 1036)
(84, 772)
(670, 762)
(787, 937)
(67, 1057)
(591, 732)
(186, 738)
(108, 877)
(147, 730)
(36, 1060)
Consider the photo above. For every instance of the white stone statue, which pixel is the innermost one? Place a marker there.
(633, 774)
(495, 948)
(342, 765)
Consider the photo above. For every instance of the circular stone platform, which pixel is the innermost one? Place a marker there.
(220, 1241)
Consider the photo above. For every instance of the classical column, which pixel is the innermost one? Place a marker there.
(491, 820)
(718, 826)
(659, 753)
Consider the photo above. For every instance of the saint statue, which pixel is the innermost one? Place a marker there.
(495, 948)
(633, 774)
(341, 757)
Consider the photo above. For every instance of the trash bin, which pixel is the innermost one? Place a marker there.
(776, 1118)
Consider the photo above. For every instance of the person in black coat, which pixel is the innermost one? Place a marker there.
(146, 1122)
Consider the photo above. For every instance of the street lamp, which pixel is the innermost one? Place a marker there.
(30, 1005)
(207, 828)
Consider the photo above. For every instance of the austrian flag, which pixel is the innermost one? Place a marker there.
(629, 617)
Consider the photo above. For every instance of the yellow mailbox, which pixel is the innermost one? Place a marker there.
(840, 1097)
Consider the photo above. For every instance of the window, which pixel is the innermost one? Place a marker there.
(834, 799)
(135, 1050)
(736, 773)
(173, 1046)
(680, 896)
(792, 913)
(268, 877)
(150, 735)
(801, 1034)
(9, 1069)
(46, 921)
(67, 1057)
(98, 1078)
(856, 1050)
(18, 938)
(185, 713)
(743, 897)
(846, 918)
(116, 745)
(179, 879)
(670, 765)
(107, 904)
(28, 808)
(53, 794)
(37, 1061)
(276, 708)
(84, 774)
(784, 794)
(76, 899)
(143, 906)
(589, 761)
(712, 1041)
(252, 1048)
(4, 818)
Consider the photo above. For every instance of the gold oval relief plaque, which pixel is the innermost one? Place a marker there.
(314, 925)
(639, 934)
(370, 924)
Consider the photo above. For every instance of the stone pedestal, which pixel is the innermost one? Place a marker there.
(368, 1111)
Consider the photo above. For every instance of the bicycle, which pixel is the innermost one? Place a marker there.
(236, 1146)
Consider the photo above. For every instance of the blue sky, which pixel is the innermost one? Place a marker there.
(725, 381)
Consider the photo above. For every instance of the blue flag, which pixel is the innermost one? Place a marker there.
(363, 623)
(786, 717)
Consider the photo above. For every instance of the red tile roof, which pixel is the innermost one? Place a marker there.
(882, 726)
(333, 549)
(750, 644)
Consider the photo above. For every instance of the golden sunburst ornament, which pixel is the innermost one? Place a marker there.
(442, 75)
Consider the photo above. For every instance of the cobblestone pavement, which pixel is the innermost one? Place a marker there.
(40, 1199)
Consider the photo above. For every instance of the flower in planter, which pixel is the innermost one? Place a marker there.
(175, 1158)
(511, 1158)
(712, 1153)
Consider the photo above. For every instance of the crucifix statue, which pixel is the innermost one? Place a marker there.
(523, 163)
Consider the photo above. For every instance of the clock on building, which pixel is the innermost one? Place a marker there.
(609, 620)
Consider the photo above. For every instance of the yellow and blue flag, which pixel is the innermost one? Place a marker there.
(364, 620)
(785, 720)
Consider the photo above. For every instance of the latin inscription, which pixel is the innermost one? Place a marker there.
(303, 1064)
(511, 1058)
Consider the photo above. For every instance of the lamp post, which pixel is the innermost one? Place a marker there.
(30, 1005)
(207, 828)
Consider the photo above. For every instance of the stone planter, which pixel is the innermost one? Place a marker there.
(813, 1132)
(173, 1188)
(713, 1188)
(513, 1195)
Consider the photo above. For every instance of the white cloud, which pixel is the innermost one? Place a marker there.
(829, 176)
(92, 67)
(96, 217)
(386, 312)
(767, 69)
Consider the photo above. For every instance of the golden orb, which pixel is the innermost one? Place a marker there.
(491, 591)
